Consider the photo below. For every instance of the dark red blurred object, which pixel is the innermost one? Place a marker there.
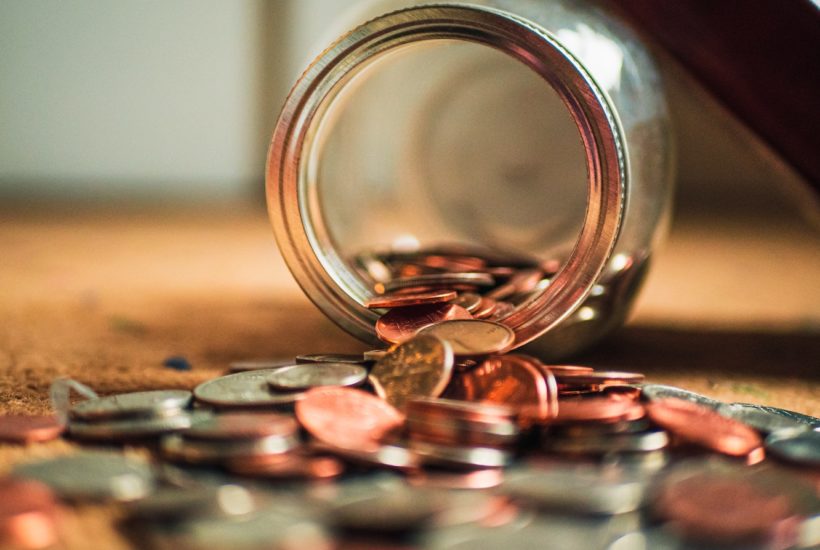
(760, 58)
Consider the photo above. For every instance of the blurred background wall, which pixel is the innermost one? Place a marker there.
(177, 99)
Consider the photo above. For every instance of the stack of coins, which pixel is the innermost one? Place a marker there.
(234, 440)
(130, 415)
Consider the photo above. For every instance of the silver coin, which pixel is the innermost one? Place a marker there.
(348, 358)
(760, 418)
(243, 389)
(652, 440)
(311, 375)
(585, 490)
(472, 337)
(397, 511)
(200, 451)
(143, 403)
(654, 392)
(459, 456)
(440, 279)
(268, 528)
(172, 503)
(128, 428)
(92, 476)
(260, 364)
(800, 446)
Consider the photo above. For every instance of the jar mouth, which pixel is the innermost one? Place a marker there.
(291, 181)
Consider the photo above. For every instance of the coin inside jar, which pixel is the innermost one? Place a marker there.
(311, 375)
(401, 324)
(386, 301)
(472, 337)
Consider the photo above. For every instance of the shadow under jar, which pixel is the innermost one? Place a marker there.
(531, 134)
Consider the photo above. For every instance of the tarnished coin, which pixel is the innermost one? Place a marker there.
(386, 301)
(420, 367)
(128, 428)
(202, 451)
(244, 389)
(703, 426)
(28, 515)
(655, 392)
(350, 358)
(92, 476)
(260, 364)
(798, 446)
(460, 456)
(143, 403)
(29, 429)
(761, 418)
(599, 409)
(243, 425)
(508, 380)
(472, 337)
(400, 324)
(583, 489)
(438, 280)
(312, 375)
(346, 417)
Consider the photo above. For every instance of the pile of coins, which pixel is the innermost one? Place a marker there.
(442, 441)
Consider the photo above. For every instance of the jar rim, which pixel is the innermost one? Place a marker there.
(304, 242)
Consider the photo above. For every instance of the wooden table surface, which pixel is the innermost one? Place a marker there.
(731, 309)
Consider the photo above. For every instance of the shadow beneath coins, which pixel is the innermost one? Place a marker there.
(667, 350)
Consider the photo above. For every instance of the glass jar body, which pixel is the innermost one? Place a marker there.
(550, 122)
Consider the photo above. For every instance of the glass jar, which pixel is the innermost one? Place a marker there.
(525, 128)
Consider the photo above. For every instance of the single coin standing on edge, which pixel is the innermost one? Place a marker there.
(420, 367)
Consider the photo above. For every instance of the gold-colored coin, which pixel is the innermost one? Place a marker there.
(420, 367)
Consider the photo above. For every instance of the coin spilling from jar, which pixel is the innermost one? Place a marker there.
(442, 440)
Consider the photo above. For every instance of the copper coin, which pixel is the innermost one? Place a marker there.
(507, 380)
(598, 409)
(28, 514)
(457, 409)
(29, 429)
(287, 466)
(438, 280)
(502, 311)
(400, 324)
(559, 370)
(468, 300)
(522, 281)
(403, 300)
(485, 308)
(472, 337)
(242, 425)
(714, 508)
(452, 263)
(598, 377)
(701, 425)
(347, 418)
(420, 367)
